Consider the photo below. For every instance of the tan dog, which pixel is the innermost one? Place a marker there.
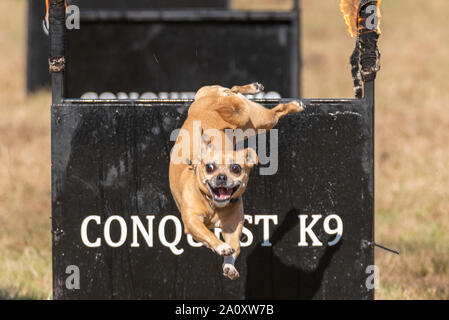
(208, 184)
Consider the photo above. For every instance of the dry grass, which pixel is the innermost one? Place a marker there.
(25, 256)
(412, 152)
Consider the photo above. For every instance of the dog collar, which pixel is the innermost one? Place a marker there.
(235, 200)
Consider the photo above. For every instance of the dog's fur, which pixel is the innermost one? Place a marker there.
(207, 187)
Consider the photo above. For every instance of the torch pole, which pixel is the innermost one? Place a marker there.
(56, 60)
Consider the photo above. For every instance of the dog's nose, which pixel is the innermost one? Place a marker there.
(222, 178)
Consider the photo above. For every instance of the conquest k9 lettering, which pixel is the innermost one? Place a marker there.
(143, 230)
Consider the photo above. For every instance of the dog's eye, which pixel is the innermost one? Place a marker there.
(210, 167)
(236, 169)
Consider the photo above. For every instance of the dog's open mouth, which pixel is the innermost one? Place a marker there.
(223, 194)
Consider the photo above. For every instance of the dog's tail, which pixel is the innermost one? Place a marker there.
(236, 114)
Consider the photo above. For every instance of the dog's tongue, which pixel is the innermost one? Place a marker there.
(224, 193)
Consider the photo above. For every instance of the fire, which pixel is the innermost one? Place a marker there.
(349, 9)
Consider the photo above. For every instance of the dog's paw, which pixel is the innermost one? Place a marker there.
(224, 250)
(230, 271)
(257, 87)
(252, 88)
(295, 106)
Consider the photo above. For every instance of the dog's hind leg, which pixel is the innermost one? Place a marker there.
(287, 108)
(264, 118)
(252, 88)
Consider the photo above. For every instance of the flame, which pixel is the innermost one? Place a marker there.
(349, 9)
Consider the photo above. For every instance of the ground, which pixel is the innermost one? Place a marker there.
(412, 149)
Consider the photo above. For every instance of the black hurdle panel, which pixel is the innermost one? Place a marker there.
(309, 227)
(37, 44)
(112, 159)
(183, 52)
(216, 45)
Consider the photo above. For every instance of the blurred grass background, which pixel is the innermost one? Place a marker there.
(412, 149)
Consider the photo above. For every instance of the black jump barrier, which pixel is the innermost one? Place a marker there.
(309, 228)
(37, 44)
(169, 46)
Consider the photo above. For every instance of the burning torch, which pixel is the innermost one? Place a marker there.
(363, 20)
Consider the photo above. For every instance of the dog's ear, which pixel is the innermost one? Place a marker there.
(250, 157)
(206, 146)
(202, 146)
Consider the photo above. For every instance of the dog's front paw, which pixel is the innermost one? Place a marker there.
(230, 271)
(295, 106)
(224, 250)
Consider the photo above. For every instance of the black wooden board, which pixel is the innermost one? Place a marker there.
(180, 56)
(115, 41)
(112, 159)
(150, 4)
(37, 49)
